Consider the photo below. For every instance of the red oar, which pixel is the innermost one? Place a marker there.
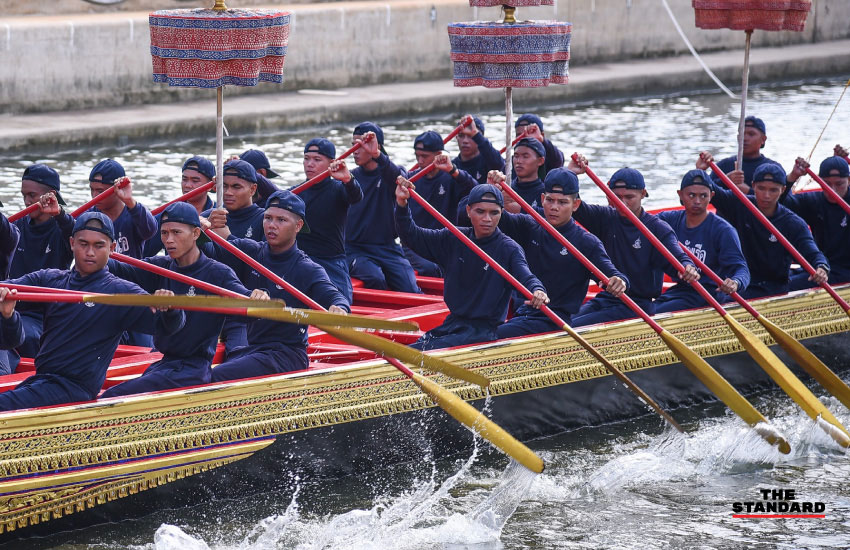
(768, 361)
(200, 190)
(779, 236)
(805, 358)
(466, 121)
(514, 142)
(554, 317)
(449, 402)
(25, 212)
(321, 177)
(828, 191)
(122, 182)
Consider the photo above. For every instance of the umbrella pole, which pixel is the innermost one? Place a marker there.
(219, 148)
(509, 126)
(744, 82)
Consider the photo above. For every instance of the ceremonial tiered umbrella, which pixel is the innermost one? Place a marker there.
(748, 15)
(510, 54)
(213, 48)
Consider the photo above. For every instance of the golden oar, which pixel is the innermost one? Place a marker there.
(765, 358)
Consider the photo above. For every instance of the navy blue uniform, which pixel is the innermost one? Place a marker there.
(476, 295)
(830, 227)
(488, 158)
(9, 237)
(715, 242)
(265, 189)
(749, 167)
(79, 340)
(530, 191)
(187, 353)
(559, 271)
(633, 254)
(275, 347)
(132, 228)
(373, 255)
(767, 259)
(327, 205)
(154, 245)
(554, 158)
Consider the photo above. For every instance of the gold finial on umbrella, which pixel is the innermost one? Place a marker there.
(220, 5)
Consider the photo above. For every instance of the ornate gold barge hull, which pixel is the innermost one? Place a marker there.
(64, 460)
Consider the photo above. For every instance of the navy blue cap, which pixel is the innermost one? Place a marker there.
(478, 124)
(477, 193)
(240, 169)
(94, 221)
(561, 180)
(180, 212)
(365, 127)
(627, 178)
(755, 122)
(834, 166)
(200, 165)
(258, 160)
(429, 141)
(697, 177)
(288, 200)
(527, 119)
(532, 144)
(770, 172)
(322, 146)
(106, 171)
(45, 175)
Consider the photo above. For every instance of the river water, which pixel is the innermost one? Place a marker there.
(627, 485)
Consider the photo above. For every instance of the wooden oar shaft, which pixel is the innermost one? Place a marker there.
(467, 120)
(828, 191)
(122, 183)
(779, 236)
(25, 212)
(321, 177)
(203, 285)
(49, 297)
(200, 190)
(28, 288)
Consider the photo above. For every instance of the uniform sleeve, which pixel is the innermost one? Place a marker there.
(353, 192)
(725, 200)
(598, 256)
(726, 165)
(463, 183)
(219, 253)
(324, 292)
(554, 156)
(517, 226)
(9, 237)
(803, 241)
(730, 259)
(144, 223)
(592, 217)
(265, 189)
(389, 173)
(802, 204)
(519, 269)
(670, 241)
(431, 244)
(11, 331)
(492, 158)
(148, 281)
(66, 225)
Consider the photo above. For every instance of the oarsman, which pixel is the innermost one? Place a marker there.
(529, 156)
(477, 155)
(260, 162)
(275, 347)
(711, 238)
(829, 222)
(9, 236)
(327, 205)
(373, 255)
(559, 271)
(443, 188)
(630, 251)
(79, 339)
(767, 259)
(197, 171)
(44, 243)
(476, 295)
(133, 223)
(755, 136)
(533, 125)
(187, 353)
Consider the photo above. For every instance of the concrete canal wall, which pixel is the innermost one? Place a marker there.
(98, 60)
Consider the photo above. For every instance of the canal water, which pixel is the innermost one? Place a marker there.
(626, 485)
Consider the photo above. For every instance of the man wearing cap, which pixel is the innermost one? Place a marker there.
(197, 171)
(79, 339)
(275, 347)
(43, 244)
(477, 155)
(628, 248)
(529, 156)
(327, 204)
(755, 136)
(533, 126)
(829, 223)
(260, 162)
(563, 275)
(133, 223)
(767, 259)
(187, 353)
(711, 238)
(373, 255)
(476, 295)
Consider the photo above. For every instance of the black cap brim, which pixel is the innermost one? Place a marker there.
(271, 173)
